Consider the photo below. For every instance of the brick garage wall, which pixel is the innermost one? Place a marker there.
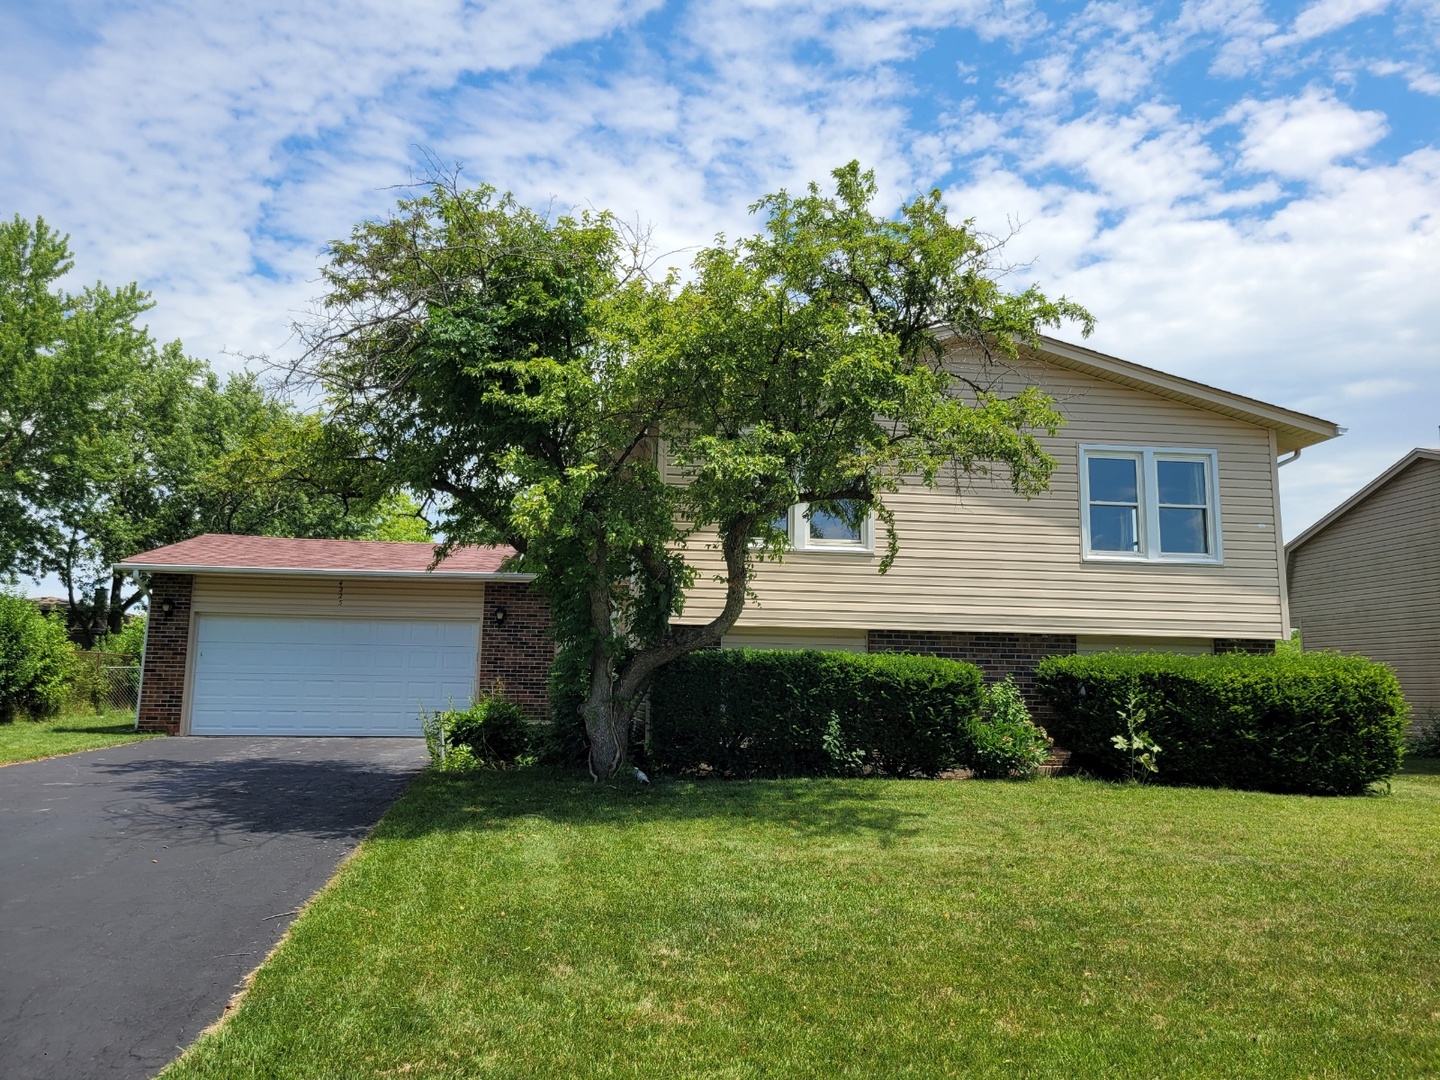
(997, 655)
(167, 646)
(1255, 646)
(517, 652)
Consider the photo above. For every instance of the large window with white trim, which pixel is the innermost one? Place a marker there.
(1150, 504)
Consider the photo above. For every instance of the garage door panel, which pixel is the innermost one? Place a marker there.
(277, 675)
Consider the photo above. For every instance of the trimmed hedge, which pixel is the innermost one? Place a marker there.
(1311, 723)
(748, 712)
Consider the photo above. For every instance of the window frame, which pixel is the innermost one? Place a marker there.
(1148, 500)
(798, 527)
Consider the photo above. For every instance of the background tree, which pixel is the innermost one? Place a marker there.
(110, 445)
(521, 370)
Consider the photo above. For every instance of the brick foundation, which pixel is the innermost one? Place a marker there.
(1254, 646)
(516, 652)
(997, 655)
(167, 646)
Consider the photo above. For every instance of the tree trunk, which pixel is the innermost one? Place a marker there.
(115, 615)
(607, 724)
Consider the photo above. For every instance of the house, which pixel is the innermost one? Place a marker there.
(1365, 578)
(1161, 530)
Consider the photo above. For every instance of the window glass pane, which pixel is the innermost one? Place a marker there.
(1182, 483)
(827, 526)
(1112, 528)
(1112, 480)
(1183, 532)
(782, 523)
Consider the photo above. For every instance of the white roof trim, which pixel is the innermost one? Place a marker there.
(1302, 429)
(1418, 454)
(334, 572)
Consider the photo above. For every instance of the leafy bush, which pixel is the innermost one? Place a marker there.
(1426, 741)
(494, 728)
(1006, 741)
(36, 660)
(493, 732)
(563, 742)
(128, 642)
(744, 712)
(1317, 723)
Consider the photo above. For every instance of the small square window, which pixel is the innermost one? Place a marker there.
(841, 526)
(830, 527)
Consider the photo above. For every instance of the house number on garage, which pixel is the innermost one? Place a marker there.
(340, 592)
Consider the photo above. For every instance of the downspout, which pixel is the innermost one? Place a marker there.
(1282, 462)
(144, 650)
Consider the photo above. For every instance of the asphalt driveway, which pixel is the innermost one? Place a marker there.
(140, 883)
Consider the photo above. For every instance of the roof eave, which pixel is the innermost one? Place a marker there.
(1294, 430)
(131, 566)
(1418, 454)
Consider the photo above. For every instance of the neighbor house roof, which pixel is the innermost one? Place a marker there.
(219, 553)
(1418, 454)
(1293, 430)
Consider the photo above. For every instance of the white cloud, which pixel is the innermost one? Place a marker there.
(1417, 77)
(1300, 137)
(186, 150)
(1325, 16)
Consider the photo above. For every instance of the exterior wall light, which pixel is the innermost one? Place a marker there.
(167, 607)
(500, 614)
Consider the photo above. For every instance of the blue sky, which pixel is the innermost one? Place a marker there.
(1246, 193)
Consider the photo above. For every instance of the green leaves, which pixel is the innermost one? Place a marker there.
(530, 375)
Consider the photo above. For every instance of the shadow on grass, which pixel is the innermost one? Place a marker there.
(493, 800)
(1420, 766)
(120, 727)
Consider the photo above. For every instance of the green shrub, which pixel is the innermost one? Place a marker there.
(1317, 723)
(1426, 740)
(1006, 741)
(563, 742)
(494, 729)
(493, 732)
(36, 660)
(744, 712)
(128, 642)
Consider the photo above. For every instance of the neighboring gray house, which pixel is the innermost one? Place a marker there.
(1366, 577)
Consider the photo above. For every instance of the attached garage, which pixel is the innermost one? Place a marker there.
(272, 636)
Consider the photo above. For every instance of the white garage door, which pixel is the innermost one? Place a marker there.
(279, 675)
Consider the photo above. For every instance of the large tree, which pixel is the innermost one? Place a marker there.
(526, 372)
(110, 445)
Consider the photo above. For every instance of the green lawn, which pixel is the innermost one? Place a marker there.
(26, 740)
(521, 925)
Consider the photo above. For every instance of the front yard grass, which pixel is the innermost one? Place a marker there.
(27, 740)
(522, 924)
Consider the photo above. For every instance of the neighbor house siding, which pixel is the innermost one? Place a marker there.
(986, 560)
(1369, 582)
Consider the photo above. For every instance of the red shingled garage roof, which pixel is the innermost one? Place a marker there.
(282, 555)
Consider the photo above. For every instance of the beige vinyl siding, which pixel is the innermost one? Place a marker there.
(764, 637)
(985, 559)
(256, 594)
(1369, 583)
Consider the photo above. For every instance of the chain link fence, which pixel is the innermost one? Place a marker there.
(105, 682)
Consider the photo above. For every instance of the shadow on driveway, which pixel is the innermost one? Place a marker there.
(142, 882)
